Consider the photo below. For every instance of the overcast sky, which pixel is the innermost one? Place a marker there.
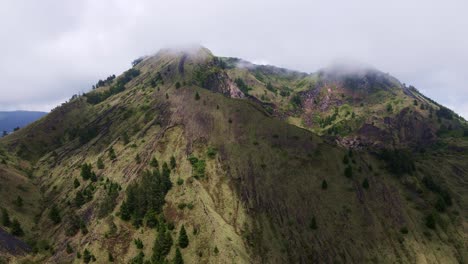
(53, 49)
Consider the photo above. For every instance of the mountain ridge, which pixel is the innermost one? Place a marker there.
(248, 179)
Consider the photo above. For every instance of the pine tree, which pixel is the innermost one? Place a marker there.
(154, 163)
(348, 172)
(16, 229)
(324, 185)
(313, 223)
(162, 244)
(365, 184)
(69, 249)
(100, 163)
(178, 257)
(76, 183)
(183, 239)
(5, 218)
(54, 215)
(173, 162)
(86, 171)
(112, 155)
(86, 256)
(125, 213)
(79, 199)
(19, 202)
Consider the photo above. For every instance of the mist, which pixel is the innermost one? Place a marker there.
(54, 49)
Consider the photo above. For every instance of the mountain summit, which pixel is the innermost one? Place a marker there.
(193, 158)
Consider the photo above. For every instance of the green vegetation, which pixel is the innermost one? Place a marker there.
(95, 97)
(348, 172)
(178, 257)
(5, 218)
(183, 238)
(313, 223)
(16, 228)
(154, 163)
(399, 161)
(365, 184)
(242, 85)
(100, 163)
(54, 215)
(430, 221)
(138, 243)
(146, 196)
(198, 166)
(162, 244)
(324, 185)
(112, 155)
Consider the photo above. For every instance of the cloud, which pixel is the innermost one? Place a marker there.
(53, 49)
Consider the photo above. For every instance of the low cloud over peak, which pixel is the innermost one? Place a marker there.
(55, 49)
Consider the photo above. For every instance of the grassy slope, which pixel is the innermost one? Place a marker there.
(260, 191)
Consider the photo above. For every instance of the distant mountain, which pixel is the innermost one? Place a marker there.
(10, 120)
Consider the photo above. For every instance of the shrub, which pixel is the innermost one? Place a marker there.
(345, 159)
(173, 162)
(138, 243)
(112, 155)
(313, 223)
(76, 183)
(440, 204)
(404, 230)
(211, 152)
(19, 202)
(16, 229)
(137, 159)
(242, 85)
(125, 138)
(389, 108)
(86, 256)
(79, 199)
(180, 181)
(69, 249)
(324, 185)
(365, 184)
(110, 258)
(270, 87)
(430, 221)
(198, 167)
(100, 163)
(86, 171)
(197, 96)
(177, 85)
(348, 172)
(5, 218)
(54, 215)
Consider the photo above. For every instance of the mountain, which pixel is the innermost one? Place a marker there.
(210, 160)
(11, 120)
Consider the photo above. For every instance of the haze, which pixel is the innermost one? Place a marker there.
(54, 49)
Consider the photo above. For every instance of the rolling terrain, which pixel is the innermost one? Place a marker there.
(203, 159)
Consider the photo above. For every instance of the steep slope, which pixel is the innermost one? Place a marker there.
(179, 141)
